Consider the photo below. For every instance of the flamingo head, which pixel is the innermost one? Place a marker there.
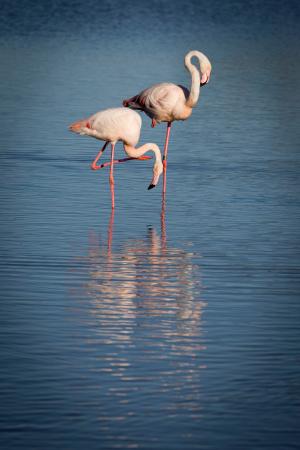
(157, 171)
(205, 76)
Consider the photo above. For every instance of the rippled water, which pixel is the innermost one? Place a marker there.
(163, 326)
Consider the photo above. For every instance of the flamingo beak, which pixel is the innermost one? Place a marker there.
(158, 169)
(154, 180)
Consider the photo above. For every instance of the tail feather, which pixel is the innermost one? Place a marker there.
(132, 103)
(79, 125)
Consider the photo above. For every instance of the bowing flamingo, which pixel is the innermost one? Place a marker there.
(166, 102)
(119, 124)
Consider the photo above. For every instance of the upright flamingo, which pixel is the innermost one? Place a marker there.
(166, 102)
(118, 124)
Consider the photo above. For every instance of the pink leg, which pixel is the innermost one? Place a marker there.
(165, 157)
(117, 161)
(94, 165)
(111, 176)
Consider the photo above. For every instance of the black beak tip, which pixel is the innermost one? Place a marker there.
(151, 186)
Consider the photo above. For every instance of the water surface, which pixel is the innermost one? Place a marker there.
(161, 327)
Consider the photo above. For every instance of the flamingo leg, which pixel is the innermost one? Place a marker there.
(166, 156)
(111, 176)
(94, 165)
(117, 161)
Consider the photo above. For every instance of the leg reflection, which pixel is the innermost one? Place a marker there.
(110, 232)
(163, 224)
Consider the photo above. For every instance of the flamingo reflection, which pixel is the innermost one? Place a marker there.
(143, 330)
(145, 277)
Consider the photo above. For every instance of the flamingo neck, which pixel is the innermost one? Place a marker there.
(204, 66)
(137, 152)
(195, 85)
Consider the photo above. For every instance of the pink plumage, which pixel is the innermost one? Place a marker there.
(166, 102)
(119, 124)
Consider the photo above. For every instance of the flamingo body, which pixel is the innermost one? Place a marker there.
(111, 125)
(163, 102)
(166, 102)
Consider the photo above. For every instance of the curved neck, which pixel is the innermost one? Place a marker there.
(137, 152)
(195, 86)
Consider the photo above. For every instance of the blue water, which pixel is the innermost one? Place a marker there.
(161, 327)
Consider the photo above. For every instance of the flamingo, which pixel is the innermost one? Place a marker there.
(166, 102)
(118, 124)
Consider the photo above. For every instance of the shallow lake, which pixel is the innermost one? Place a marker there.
(161, 326)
